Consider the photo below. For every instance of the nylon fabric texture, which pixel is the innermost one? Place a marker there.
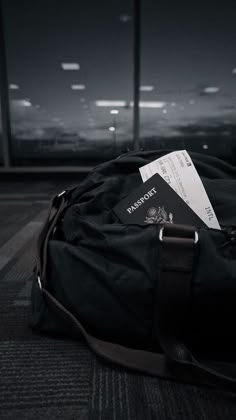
(106, 273)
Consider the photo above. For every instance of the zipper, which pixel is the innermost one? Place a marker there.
(230, 233)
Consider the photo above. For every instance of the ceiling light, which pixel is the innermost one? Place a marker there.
(150, 104)
(146, 88)
(114, 111)
(70, 66)
(234, 71)
(164, 111)
(78, 87)
(173, 103)
(191, 102)
(12, 86)
(112, 128)
(106, 103)
(211, 89)
(205, 146)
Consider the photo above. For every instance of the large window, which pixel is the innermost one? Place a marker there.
(188, 70)
(70, 79)
(73, 77)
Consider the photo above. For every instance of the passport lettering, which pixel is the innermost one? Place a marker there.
(141, 200)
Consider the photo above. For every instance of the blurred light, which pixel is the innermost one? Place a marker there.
(25, 102)
(164, 111)
(234, 71)
(125, 18)
(78, 87)
(205, 146)
(37, 106)
(110, 103)
(39, 132)
(112, 128)
(85, 106)
(192, 102)
(146, 88)
(70, 66)
(82, 100)
(211, 89)
(152, 104)
(114, 111)
(173, 103)
(13, 87)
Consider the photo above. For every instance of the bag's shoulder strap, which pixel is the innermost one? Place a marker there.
(173, 291)
(154, 364)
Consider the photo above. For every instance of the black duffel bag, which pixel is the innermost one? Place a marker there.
(158, 299)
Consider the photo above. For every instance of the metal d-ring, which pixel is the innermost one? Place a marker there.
(196, 237)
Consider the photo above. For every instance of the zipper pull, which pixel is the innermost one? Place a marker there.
(231, 234)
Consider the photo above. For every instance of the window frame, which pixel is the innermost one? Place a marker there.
(5, 104)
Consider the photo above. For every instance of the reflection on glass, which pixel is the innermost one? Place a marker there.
(68, 69)
(188, 57)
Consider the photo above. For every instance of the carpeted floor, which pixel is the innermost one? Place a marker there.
(47, 378)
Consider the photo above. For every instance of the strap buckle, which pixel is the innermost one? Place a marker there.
(62, 193)
(39, 282)
(176, 232)
(57, 198)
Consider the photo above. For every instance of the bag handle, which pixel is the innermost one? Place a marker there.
(138, 360)
(178, 252)
(57, 206)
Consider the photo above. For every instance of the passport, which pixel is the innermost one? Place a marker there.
(178, 170)
(156, 202)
